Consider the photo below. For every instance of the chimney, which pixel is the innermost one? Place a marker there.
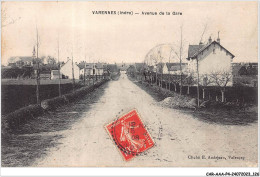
(218, 40)
(210, 40)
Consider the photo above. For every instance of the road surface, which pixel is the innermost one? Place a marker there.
(179, 138)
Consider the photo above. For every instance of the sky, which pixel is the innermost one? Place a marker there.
(126, 38)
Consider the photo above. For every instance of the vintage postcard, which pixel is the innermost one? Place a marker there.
(129, 84)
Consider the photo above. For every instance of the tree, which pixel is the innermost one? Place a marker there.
(180, 58)
(175, 80)
(221, 79)
(206, 82)
(38, 67)
(197, 61)
(189, 81)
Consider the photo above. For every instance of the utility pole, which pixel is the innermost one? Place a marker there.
(198, 85)
(161, 69)
(181, 63)
(197, 59)
(73, 78)
(59, 66)
(38, 68)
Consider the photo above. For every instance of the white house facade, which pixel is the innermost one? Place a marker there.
(212, 58)
(66, 70)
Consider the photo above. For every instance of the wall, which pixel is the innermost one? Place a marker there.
(210, 62)
(66, 69)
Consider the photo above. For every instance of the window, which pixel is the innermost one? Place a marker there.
(226, 53)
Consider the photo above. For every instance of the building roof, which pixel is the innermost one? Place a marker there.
(195, 50)
(99, 65)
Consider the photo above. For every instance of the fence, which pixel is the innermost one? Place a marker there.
(238, 93)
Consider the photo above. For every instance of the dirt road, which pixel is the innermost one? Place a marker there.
(181, 140)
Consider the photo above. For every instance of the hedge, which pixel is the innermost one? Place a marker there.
(16, 118)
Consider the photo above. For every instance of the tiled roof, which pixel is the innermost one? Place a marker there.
(194, 50)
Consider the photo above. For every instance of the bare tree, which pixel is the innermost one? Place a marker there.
(221, 79)
(206, 82)
(59, 65)
(189, 81)
(179, 55)
(169, 74)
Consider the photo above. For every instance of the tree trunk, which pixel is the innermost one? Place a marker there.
(175, 87)
(222, 96)
(188, 90)
(203, 94)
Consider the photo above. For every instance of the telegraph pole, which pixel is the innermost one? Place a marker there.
(38, 68)
(181, 63)
(73, 78)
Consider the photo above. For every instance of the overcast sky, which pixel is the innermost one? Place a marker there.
(128, 38)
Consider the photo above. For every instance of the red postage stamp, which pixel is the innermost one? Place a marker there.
(130, 135)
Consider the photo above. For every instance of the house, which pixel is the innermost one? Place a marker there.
(212, 58)
(91, 68)
(245, 74)
(99, 69)
(54, 74)
(110, 68)
(20, 61)
(67, 68)
(175, 69)
(45, 75)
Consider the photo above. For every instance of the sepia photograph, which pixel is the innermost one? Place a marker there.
(129, 84)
